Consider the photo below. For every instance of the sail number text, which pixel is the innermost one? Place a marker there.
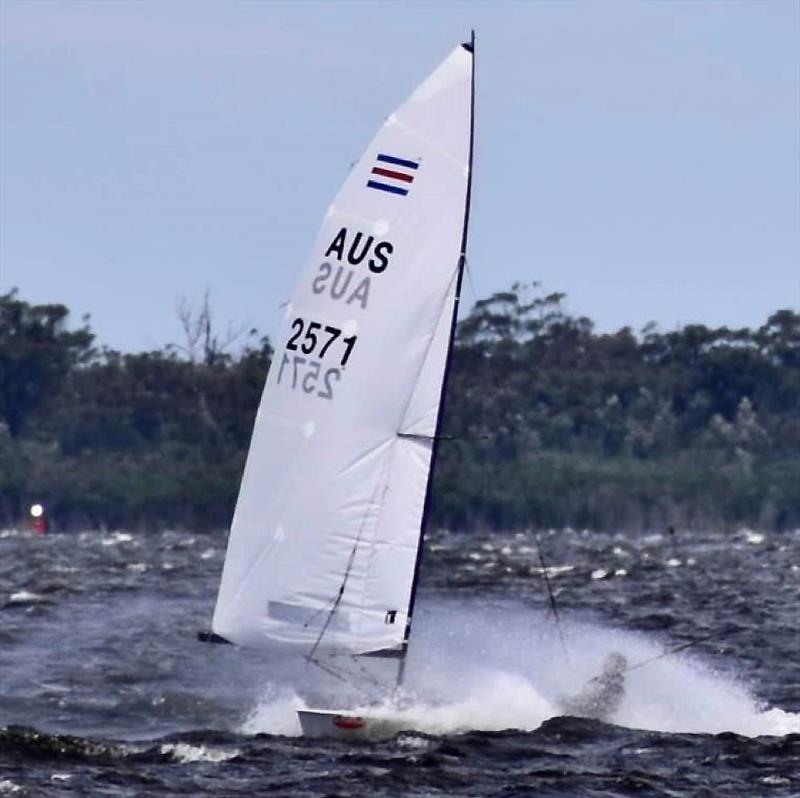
(319, 339)
(315, 341)
(308, 375)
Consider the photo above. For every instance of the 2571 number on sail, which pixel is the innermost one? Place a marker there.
(315, 339)
(320, 341)
(308, 375)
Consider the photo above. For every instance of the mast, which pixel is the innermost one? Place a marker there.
(462, 260)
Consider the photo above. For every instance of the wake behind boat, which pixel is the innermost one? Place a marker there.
(325, 544)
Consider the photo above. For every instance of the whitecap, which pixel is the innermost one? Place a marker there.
(117, 537)
(184, 752)
(26, 597)
(753, 538)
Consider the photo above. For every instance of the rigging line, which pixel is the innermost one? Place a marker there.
(336, 601)
(545, 573)
(347, 676)
(370, 676)
(371, 546)
(356, 660)
(552, 598)
(683, 647)
(319, 612)
(342, 587)
(337, 675)
(470, 280)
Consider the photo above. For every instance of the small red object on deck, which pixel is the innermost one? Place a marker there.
(348, 722)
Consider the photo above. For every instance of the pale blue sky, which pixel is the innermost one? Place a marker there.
(643, 157)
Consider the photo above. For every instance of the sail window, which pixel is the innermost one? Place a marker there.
(308, 617)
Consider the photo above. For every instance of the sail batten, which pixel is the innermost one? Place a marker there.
(324, 545)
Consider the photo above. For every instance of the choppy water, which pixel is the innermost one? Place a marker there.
(104, 690)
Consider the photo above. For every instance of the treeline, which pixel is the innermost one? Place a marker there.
(557, 425)
(548, 422)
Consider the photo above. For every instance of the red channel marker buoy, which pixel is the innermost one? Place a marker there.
(39, 517)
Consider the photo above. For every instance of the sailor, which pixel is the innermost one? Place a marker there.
(601, 696)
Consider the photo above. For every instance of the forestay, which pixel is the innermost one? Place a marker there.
(328, 521)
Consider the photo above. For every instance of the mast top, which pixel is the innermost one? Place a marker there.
(470, 45)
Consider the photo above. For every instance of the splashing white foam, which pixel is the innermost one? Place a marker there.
(275, 713)
(502, 666)
(183, 752)
(500, 700)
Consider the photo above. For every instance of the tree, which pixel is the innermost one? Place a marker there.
(37, 352)
(203, 343)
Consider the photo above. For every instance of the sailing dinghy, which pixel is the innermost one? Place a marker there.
(325, 543)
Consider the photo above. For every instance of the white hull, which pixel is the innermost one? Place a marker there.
(346, 725)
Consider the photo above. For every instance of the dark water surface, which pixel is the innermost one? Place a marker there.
(104, 690)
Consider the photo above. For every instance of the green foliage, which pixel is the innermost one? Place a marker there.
(553, 423)
(37, 353)
(558, 425)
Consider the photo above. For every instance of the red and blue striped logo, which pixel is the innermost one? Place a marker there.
(392, 174)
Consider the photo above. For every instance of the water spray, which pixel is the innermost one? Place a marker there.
(682, 647)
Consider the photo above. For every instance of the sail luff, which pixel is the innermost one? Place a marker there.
(437, 437)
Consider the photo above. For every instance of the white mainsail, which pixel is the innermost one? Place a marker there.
(324, 542)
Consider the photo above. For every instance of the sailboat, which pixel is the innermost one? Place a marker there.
(326, 539)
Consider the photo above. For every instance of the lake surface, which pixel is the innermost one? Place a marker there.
(104, 689)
